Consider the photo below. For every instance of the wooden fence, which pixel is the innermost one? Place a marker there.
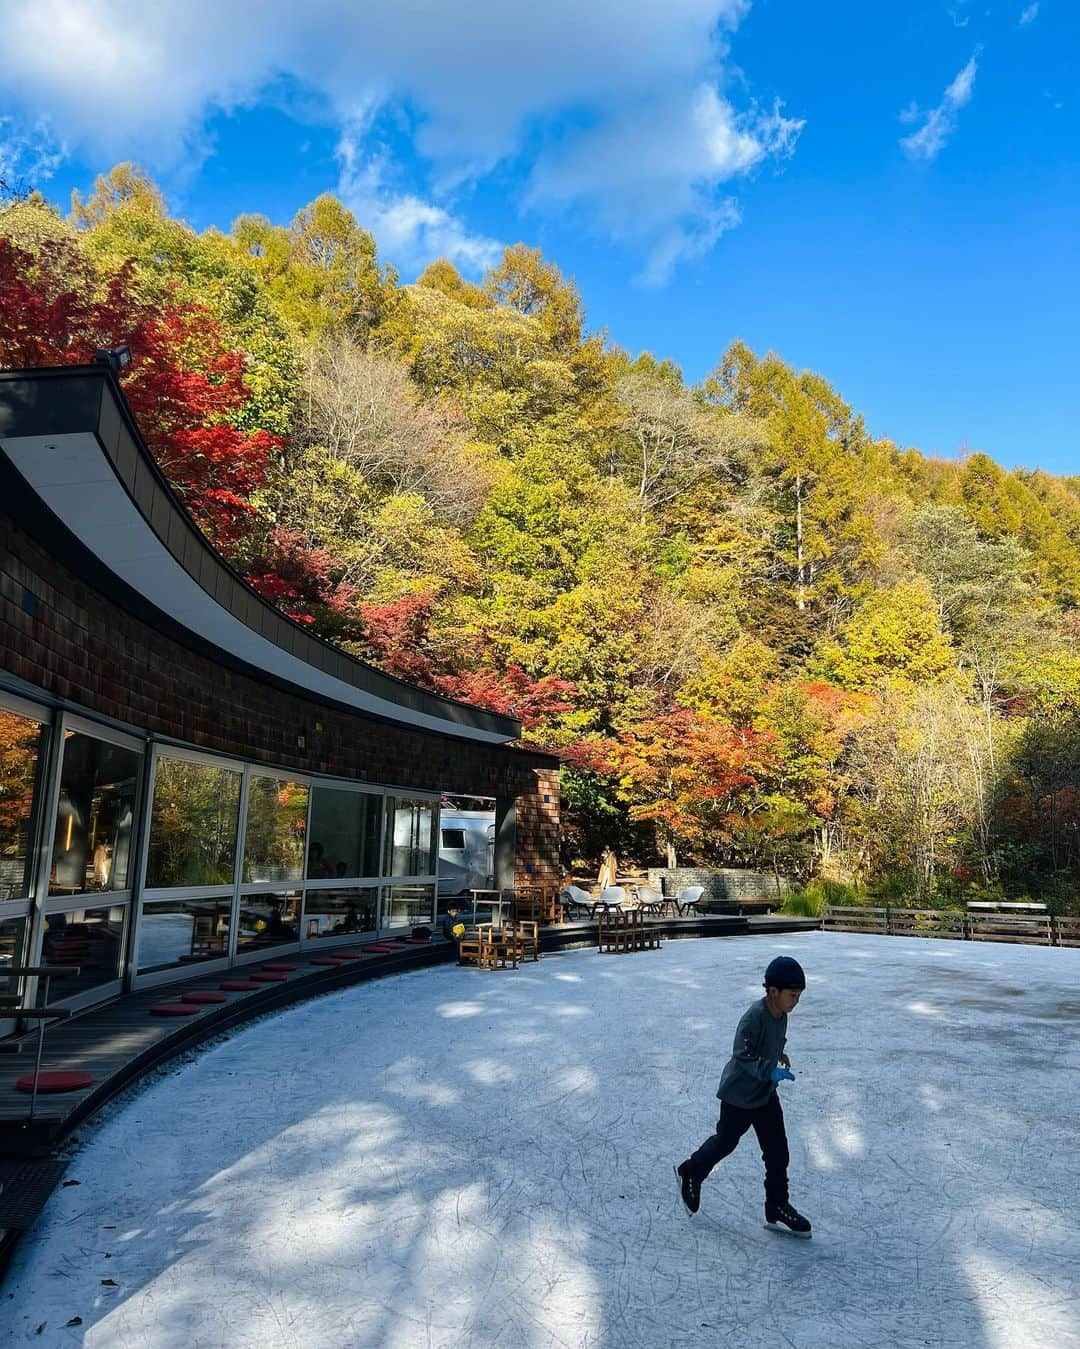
(1038, 929)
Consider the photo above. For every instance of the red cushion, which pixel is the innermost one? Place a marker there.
(327, 960)
(350, 954)
(238, 985)
(278, 965)
(203, 995)
(173, 1009)
(417, 941)
(48, 1083)
(263, 978)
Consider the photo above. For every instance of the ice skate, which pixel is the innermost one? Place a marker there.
(783, 1218)
(689, 1188)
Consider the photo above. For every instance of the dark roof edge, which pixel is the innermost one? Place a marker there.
(142, 479)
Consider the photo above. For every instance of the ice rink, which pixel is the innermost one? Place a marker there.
(468, 1159)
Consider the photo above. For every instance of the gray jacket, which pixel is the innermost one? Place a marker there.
(759, 1041)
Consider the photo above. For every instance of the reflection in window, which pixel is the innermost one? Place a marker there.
(333, 913)
(407, 904)
(274, 838)
(94, 816)
(192, 824)
(12, 936)
(182, 932)
(268, 920)
(345, 834)
(92, 939)
(20, 748)
(410, 842)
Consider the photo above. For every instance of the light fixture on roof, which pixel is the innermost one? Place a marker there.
(114, 357)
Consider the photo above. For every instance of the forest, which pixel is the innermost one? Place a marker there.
(757, 634)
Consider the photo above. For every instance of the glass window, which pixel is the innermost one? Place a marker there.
(345, 834)
(404, 905)
(410, 843)
(274, 838)
(192, 824)
(268, 920)
(94, 816)
(333, 913)
(453, 840)
(20, 749)
(92, 939)
(182, 932)
(12, 937)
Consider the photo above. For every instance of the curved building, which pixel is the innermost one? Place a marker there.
(186, 775)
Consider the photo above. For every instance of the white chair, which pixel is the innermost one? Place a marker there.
(688, 897)
(650, 900)
(611, 897)
(575, 898)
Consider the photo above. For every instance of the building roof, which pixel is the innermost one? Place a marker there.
(82, 481)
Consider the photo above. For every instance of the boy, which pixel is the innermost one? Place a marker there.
(748, 1098)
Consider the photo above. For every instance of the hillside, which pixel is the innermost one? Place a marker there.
(758, 634)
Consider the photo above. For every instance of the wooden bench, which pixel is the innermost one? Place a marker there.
(622, 930)
(1032, 929)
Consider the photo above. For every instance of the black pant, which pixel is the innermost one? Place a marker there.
(767, 1122)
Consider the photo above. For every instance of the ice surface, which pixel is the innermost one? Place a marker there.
(462, 1158)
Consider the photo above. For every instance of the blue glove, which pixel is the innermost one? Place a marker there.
(779, 1074)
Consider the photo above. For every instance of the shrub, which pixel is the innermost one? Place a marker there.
(802, 902)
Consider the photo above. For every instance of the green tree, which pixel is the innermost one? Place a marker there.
(894, 635)
(322, 272)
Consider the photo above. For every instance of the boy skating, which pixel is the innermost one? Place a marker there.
(748, 1098)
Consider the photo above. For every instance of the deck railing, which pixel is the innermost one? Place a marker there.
(1031, 928)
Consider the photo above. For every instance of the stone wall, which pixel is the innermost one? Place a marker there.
(727, 883)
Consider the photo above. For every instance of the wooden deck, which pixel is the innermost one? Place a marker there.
(118, 1040)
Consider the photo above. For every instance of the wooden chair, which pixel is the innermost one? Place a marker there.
(501, 946)
(471, 949)
(528, 905)
(526, 936)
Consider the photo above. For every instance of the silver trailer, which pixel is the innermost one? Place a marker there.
(466, 851)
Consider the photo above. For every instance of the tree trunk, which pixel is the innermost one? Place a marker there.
(800, 562)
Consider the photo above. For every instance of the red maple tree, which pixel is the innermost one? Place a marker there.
(397, 636)
(184, 385)
(687, 773)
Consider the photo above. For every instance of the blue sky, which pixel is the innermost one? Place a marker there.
(889, 194)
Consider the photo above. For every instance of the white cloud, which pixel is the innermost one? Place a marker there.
(685, 242)
(549, 88)
(654, 173)
(409, 230)
(29, 152)
(1029, 15)
(932, 137)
